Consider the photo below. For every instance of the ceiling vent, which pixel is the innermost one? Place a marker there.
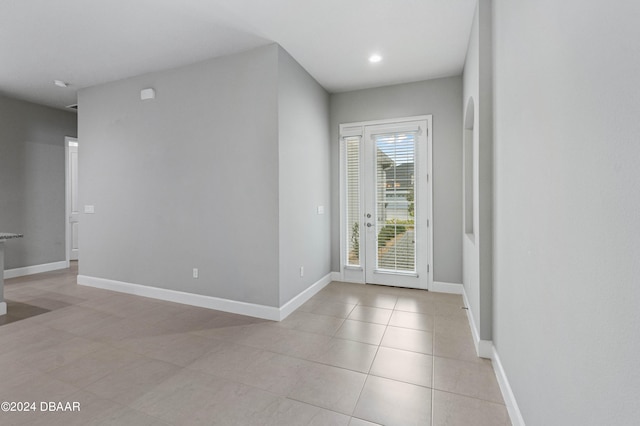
(73, 107)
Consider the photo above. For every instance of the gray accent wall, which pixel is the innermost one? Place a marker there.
(187, 180)
(223, 171)
(32, 180)
(442, 98)
(304, 165)
(567, 202)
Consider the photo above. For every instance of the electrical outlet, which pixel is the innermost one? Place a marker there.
(195, 272)
(302, 271)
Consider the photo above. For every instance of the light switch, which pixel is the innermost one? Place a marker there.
(320, 209)
(89, 209)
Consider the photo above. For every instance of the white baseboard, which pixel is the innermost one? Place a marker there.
(226, 305)
(451, 288)
(210, 302)
(507, 393)
(336, 276)
(307, 294)
(484, 348)
(3, 308)
(35, 269)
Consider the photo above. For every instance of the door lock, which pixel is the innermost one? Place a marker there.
(369, 225)
(368, 215)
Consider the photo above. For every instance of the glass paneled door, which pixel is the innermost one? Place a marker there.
(388, 204)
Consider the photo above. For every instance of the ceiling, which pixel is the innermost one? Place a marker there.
(89, 42)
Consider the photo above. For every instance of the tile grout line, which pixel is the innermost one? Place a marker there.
(433, 372)
(368, 375)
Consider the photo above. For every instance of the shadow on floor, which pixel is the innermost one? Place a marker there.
(18, 311)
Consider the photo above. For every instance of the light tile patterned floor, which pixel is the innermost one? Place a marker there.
(352, 355)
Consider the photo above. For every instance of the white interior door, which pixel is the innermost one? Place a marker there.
(72, 199)
(388, 203)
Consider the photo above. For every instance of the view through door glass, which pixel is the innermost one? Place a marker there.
(352, 147)
(397, 198)
(395, 202)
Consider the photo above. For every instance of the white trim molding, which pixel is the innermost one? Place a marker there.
(336, 276)
(484, 348)
(507, 393)
(442, 287)
(3, 308)
(233, 306)
(300, 299)
(68, 141)
(210, 302)
(35, 269)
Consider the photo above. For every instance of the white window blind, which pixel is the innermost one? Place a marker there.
(395, 201)
(352, 145)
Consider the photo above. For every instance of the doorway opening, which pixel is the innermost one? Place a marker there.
(72, 209)
(386, 202)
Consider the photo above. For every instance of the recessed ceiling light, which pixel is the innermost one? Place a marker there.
(60, 83)
(375, 58)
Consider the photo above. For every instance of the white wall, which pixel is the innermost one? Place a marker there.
(477, 248)
(32, 181)
(443, 99)
(471, 248)
(187, 180)
(567, 197)
(304, 149)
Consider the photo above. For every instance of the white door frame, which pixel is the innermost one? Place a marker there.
(67, 201)
(357, 274)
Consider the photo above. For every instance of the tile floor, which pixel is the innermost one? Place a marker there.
(352, 355)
